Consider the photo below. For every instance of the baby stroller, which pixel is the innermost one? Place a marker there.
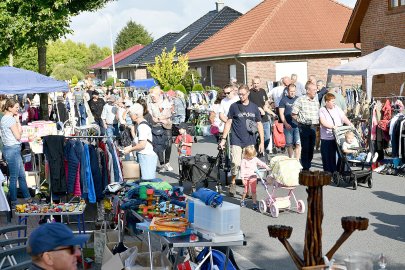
(350, 171)
(200, 168)
(284, 175)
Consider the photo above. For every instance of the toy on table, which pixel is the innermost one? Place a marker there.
(149, 209)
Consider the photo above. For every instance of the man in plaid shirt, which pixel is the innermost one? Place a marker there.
(305, 112)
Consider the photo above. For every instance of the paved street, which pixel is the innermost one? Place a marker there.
(383, 205)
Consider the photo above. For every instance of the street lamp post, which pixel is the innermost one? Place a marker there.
(112, 49)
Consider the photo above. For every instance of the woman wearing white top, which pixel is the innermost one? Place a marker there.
(11, 135)
(147, 158)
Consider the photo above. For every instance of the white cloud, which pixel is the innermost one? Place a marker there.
(158, 17)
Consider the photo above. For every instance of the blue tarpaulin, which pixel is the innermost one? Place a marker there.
(20, 81)
(141, 84)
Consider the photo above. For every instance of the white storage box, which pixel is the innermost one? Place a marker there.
(224, 219)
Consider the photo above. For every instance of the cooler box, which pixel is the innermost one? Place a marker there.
(222, 220)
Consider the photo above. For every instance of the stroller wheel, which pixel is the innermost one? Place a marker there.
(370, 181)
(301, 206)
(336, 178)
(262, 206)
(274, 210)
(354, 183)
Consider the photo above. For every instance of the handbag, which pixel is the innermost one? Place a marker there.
(251, 125)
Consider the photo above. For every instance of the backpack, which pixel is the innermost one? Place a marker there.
(278, 134)
(160, 141)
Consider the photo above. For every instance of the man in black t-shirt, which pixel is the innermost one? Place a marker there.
(96, 105)
(259, 97)
(239, 112)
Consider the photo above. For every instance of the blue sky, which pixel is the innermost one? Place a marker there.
(157, 16)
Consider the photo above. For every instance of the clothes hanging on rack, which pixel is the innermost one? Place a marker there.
(53, 147)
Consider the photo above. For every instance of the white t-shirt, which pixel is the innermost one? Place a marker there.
(226, 104)
(145, 134)
(277, 93)
(347, 145)
(121, 120)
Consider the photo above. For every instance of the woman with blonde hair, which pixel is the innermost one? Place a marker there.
(11, 132)
(179, 104)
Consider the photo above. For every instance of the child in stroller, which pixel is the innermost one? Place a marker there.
(351, 147)
(248, 168)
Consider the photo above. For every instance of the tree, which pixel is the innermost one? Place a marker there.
(41, 21)
(198, 87)
(132, 34)
(166, 71)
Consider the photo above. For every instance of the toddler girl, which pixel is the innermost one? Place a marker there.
(248, 168)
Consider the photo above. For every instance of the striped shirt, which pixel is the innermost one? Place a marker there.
(307, 110)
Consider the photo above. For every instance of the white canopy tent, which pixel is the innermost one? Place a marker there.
(387, 60)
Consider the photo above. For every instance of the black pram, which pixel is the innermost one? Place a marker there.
(199, 169)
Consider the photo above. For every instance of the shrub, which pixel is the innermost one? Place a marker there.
(190, 78)
(109, 81)
(75, 80)
(198, 87)
(167, 88)
(181, 88)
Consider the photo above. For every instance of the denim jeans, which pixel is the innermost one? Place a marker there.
(12, 154)
(100, 123)
(267, 134)
(292, 136)
(164, 157)
(307, 136)
(328, 153)
(148, 166)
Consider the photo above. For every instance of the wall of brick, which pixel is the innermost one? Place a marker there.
(383, 27)
(265, 68)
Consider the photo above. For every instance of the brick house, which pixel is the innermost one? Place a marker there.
(275, 39)
(103, 69)
(376, 24)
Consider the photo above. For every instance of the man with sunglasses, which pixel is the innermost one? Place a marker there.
(231, 96)
(53, 246)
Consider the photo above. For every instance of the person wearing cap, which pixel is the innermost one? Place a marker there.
(52, 246)
(96, 105)
(339, 99)
(183, 141)
(109, 117)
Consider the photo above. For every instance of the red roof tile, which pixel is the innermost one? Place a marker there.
(280, 26)
(106, 63)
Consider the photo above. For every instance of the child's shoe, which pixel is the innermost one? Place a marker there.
(242, 203)
(368, 159)
(375, 157)
(254, 207)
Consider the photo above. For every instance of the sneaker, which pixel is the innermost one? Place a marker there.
(168, 167)
(242, 203)
(368, 159)
(375, 157)
(254, 207)
(162, 169)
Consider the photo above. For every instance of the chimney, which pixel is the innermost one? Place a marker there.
(220, 5)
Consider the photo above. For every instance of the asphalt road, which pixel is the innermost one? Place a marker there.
(383, 205)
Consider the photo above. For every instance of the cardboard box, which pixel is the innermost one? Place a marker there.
(131, 170)
(160, 262)
(111, 261)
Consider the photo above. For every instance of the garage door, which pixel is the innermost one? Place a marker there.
(288, 68)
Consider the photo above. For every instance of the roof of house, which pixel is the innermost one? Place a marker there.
(352, 32)
(106, 63)
(187, 39)
(276, 26)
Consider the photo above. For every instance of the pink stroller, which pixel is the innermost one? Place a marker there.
(283, 175)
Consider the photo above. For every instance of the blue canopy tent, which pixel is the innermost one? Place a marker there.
(20, 81)
(141, 84)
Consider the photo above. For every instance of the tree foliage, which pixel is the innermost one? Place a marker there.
(198, 87)
(132, 34)
(169, 68)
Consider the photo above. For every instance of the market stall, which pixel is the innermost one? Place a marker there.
(387, 60)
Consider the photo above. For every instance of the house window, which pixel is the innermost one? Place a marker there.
(232, 72)
(209, 76)
(199, 71)
(396, 4)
